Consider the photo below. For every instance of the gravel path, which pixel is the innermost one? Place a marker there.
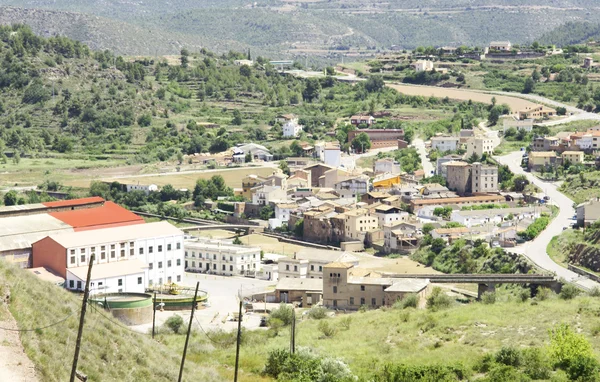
(14, 364)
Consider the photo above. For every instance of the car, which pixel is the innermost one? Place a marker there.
(522, 148)
(263, 322)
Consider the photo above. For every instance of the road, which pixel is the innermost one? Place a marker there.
(349, 161)
(535, 250)
(427, 165)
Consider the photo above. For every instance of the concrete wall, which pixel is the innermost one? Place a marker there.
(48, 253)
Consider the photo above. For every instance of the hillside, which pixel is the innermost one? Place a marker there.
(572, 33)
(288, 28)
(109, 352)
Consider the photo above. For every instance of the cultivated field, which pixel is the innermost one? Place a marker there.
(463, 95)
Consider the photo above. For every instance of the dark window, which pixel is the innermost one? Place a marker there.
(334, 289)
(178, 245)
(312, 267)
(72, 259)
(141, 250)
(178, 278)
(139, 280)
(71, 284)
(103, 256)
(362, 288)
(351, 300)
(178, 262)
(78, 284)
(373, 301)
(223, 267)
(231, 268)
(362, 301)
(160, 248)
(160, 265)
(150, 249)
(150, 266)
(83, 258)
(334, 302)
(168, 263)
(120, 282)
(168, 247)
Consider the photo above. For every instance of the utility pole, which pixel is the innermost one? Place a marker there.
(86, 293)
(237, 346)
(293, 347)
(187, 337)
(153, 313)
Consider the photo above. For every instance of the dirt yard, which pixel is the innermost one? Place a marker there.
(462, 95)
(14, 364)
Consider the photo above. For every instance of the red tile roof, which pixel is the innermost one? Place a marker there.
(74, 202)
(106, 216)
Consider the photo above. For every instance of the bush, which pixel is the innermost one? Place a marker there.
(174, 323)
(506, 374)
(523, 295)
(543, 294)
(594, 292)
(285, 313)
(427, 323)
(345, 322)
(568, 292)
(326, 329)
(404, 315)
(438, 300)
(488, 298)
(566, 346)
(317, 313)
(401, 373)
(584, 369)
(509, 356)
(304, 365)
(485, 363)
(535, 363)
(410, 301)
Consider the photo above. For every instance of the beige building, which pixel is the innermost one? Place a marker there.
(574, 157)
(588, 212)
(357, 223)
(541, 159)
(458, 176)
(308, 263)
(479, 146)
(484, 178)
(346, 287)
(537, 112)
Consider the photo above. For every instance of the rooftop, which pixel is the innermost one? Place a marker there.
(74, 202)
(542, 154)
(46, 274)
(338, 265)
(483, 198)
(106, 270)
(110, 235)
(446, 231)
(110, 214)
(498, 211)
(289, 283)
(326, 256)
(408, 285)
(19, 232)
(573, 153)
(219, 246)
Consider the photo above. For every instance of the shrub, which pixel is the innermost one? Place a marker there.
(404, 315)
(506, 374)
(485, 363)
(523, 295)
(363, 308)
(345, 322)
(509, 356)
(596, 329)
(584, 368)
(399, 373)
(427, 323)
(410, 301)
(535, 363)
(317, 313)
(543, 294)
(304, 365)
(566, 345)
(438, 299)
(326, 329)
(488, 298)
(568, 292)
(283, 313)
(594, 292)
(174, 323)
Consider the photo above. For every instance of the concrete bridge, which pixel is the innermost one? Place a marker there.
(485, 282)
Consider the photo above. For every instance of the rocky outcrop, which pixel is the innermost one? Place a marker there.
(586, 255)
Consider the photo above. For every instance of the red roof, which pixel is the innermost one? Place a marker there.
(74, 202)
(106, 216)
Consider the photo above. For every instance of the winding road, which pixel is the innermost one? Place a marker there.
(535, 250)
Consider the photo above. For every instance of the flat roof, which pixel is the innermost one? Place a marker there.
(408, 285)
(325, 255)
(46, 274)
(542, 154)
(108, 214)
(22, 207)
(102, 271)
(219, 246)
(457, 200)
(496, 211)
(288, 283)
(19, 232)
(125, 233)
(74, 202)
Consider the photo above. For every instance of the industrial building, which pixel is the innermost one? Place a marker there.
(221, 258)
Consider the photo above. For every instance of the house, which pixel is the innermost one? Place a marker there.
(221, 258)
(264, 195)
(284, 210)
(449, 233)
(284, 118)
(387, 214)
(308, 263)
(422, 66)
(357, 120)
(304, 291)
(145, 188)
(386, 181)
(348, 287)
(318, 226)
(545, 144)
(473, 218)
(440, 169)
(258, 152)
(502, 46)
(374, 197)
(445, 143)
(541, 159)
(480, 146)
(317, 171)
(379, 137)
(356, 223)
(400, 237)
(243, 62)
(588, 212)
(291, 129)
(433, 189)
(417, 204)
(484, 178)
(386, 165)
(536, 112)
(588, 62)
(573, 157)
(154, 249)
(515, 123)
(353, 187)
(249, 182)
(458, 176)
(332, 155)
(588, 141)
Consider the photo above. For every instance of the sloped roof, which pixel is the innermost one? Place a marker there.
(74, 202)
(110, 214)
(408, 285)
(289, 283)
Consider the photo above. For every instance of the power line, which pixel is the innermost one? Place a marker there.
(207, 336)
(96, 310)
(40, 328)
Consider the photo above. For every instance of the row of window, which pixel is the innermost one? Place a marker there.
(100, 283)
(223, 266)
(160, 280)
(160, 264)
(122, 247)
(214, 256)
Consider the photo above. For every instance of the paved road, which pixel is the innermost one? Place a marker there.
(427, 165)
(536, 249)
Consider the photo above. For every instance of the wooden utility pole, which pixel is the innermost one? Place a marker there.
(187, 337)
(293, 339)
(86, 293)
(238, 340)
(153, 313)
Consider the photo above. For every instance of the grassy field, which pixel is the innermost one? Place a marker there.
(557, 248)
(581, 190)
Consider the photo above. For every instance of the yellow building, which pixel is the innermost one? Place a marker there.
(574, 157)
(249, 182)
(357, 223)
(386, 181)
(541, 159)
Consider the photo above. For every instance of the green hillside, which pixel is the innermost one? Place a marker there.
(572, 33)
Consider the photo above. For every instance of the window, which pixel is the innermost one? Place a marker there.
(178, 262)
(287, 267)
(122, 253)
(169, 247)
(160, 281)
(82, 250)
(334, 302)
(231, 268)
(150, 282)
(362, 288)
(178, 245)
(78, 284)
(83, 258)
(72, 259)
(178, 278)
(122, 245)
(168, 263)
(169, 279)
(194, 264)
(72, 252)
(120, 290)
(320, 268)
(150, 249)
(223, 267)
(150, 266)
(312, 267)
(120, 282)
(186, 264)
(141, 251)
(373, 301)
(214, 257)
(139, 280)
(160, 265)
(215, 266)
(295, 268)
(160, 248)
(103, 256)
(230, 258)
(351, 300)
(71, 282)
(334, 289)
(100, 284)
(194, 254)
(223, 257)
(362, 301)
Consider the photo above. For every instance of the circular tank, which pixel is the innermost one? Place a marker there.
(130, 308)
(180, 301)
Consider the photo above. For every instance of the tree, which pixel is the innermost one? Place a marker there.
(529, 85)
(144, 120)
(248, 157)
(312, 88)
(299, 228)
(11, 198)
(266, 213)
(237, 240)
(237, 118)
(36, 93)
(283, 166)
(437, 245)
(174, 323)
(330, 71)
(361, 143)
(520, 182)
(566, 346)
(296, 149)
(245, 71)
(184, 58)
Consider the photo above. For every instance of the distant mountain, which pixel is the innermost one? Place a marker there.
(295, 27)
(571, 33)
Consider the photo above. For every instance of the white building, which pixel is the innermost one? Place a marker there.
(351, 188)
(332, 155)
(264, 195)
(243, 62)
(221, 258)
(291, 129)
(495, 216)
(309, 263)
(444, 144)
(503, 46)
(513, 122)
(145, 188)
(386, 165)
(422, 66)
(284, 210)
(156, 247)
(479, 146)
